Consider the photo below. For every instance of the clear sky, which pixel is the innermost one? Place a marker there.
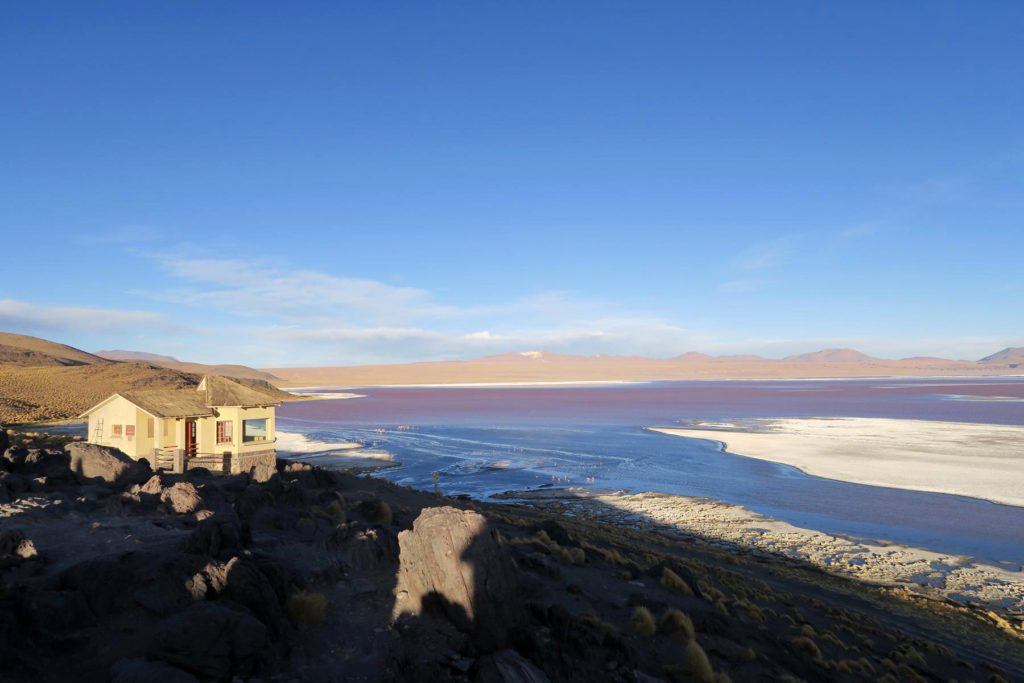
(279, 183)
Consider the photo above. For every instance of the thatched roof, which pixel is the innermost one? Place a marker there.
(212, 392)
(221, 391)
(170, 402)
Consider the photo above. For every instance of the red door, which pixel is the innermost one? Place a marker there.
(190, 438)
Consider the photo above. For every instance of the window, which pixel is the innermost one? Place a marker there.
(254, 430)
(224, 431)
(129, 432)
(115, 431)
(149, 428)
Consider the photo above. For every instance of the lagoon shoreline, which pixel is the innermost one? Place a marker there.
(983, 461)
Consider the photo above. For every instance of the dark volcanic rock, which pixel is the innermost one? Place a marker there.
(14, 546)
(14, 457)
(154, 581)
(450, 563)
(91, 461)
(53, 612)
(48, 463)
(218, 538)
(262, 473)
(5, 441)
(143, 671)
(182, 498)
(508, 666)
(211, 641)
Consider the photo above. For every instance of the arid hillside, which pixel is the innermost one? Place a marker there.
(41, 380)
(20, 349)
(34, 394)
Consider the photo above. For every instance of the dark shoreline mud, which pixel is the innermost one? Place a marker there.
(299, 573)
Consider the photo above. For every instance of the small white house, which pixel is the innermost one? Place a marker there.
(222, 425)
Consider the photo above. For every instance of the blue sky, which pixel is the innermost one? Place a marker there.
(341, 183)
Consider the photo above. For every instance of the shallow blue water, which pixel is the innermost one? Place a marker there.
(487, 440)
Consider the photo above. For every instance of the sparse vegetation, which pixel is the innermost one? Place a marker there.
(676, 622)
(382, 513)
(807, 646)
(643, 622)
(306, 608)
(674, 582)
(696, 663)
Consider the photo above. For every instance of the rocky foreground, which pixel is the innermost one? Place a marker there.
(109, 571)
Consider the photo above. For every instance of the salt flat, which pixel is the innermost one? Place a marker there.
(977, 460)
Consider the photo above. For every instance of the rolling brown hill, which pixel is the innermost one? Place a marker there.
(171, 363)
(36, 394)
(23, 350)
(42, 380)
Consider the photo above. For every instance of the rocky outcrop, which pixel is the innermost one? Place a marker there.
(145, 671)
(210, 640)
(14, 547)
(508, 666)
(450, 564)
(92, 461)
(182, 498)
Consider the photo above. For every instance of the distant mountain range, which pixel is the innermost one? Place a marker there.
(548, 366)
(229, 370)
(1008, 355)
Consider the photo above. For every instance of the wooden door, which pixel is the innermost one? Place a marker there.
(190, 438)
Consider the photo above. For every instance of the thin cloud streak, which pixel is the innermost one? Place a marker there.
(24, 315)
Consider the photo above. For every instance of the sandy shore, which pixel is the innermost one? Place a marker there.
(942, 576)
(976, 460)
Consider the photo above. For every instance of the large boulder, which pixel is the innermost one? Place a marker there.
(52, 464)
(451, 564)
(15, 547)
(92, 461)
(219, 538)
(5, 441)
(182, 498)
(210, 641)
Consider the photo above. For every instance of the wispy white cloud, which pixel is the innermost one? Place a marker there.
(764, 256)
(22, 315)
(861, 230)
(260, 289)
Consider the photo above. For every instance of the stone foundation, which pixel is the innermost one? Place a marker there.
(244, 462)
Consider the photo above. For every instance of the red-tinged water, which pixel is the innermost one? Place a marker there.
(484, 440)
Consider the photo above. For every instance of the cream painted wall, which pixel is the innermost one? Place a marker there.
(121, 412)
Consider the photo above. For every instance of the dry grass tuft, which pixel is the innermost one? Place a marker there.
(674, 582)
(696, 663)
(336, 512)
(596, 623)
(710, 593)
(676, 622)
(306, 608)
(382, 513)
(643, 622)
(807, 646)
